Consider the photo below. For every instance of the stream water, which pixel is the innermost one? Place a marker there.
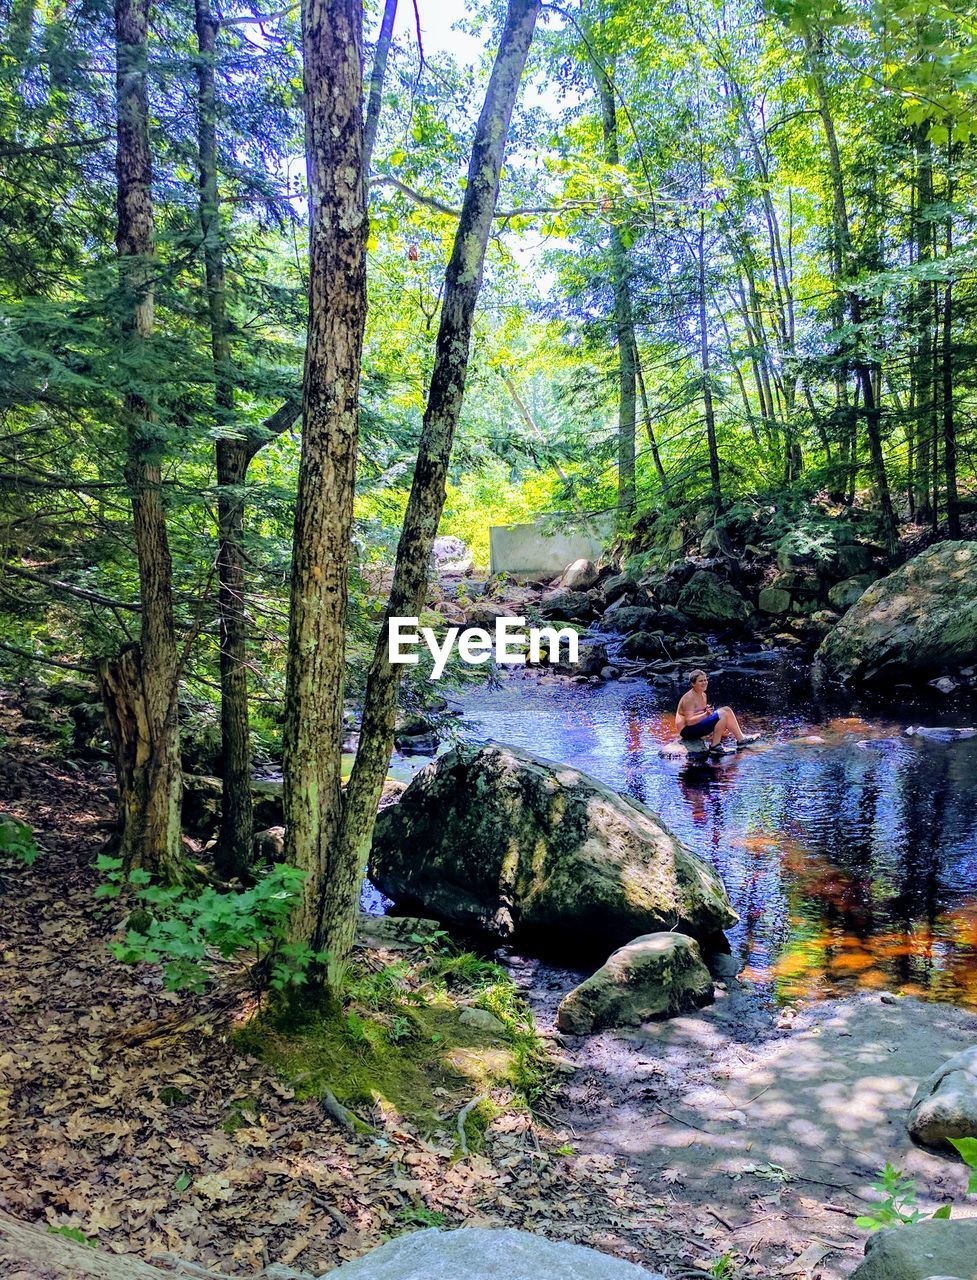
(848, 850)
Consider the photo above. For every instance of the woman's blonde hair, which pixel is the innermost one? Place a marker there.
(694, 676)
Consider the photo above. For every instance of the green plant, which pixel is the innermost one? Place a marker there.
(17, 840)
(897, 1206)
(419, 1215)
(723, 1268)
(184, 931)
(73, 1233)
(966, 1149)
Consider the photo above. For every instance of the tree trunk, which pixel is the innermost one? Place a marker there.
(462, 284)
(233, 854)
(623, 317)
(332, 41)
(140, 686)
(706, 367)
(375, 99)
(949, 428)
(846, 266)
(924, 327)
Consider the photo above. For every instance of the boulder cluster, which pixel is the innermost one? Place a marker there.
(500, 843)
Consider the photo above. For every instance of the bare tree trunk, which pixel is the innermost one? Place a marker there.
(649, 429)
(332, 42)
(706, 366)
(846, 266)
(462, 284)
(623, 317)
(949, 428)
(140, 686)
(375, 99)
(233, 854)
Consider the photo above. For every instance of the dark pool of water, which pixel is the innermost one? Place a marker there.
(849, 850)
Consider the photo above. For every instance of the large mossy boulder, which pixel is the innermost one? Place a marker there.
(708, 600)
(499, 841)
(911, 624)
(654, 976)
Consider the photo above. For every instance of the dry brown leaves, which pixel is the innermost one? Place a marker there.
(129, 1145)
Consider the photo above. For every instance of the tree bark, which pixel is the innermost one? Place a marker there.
(949, 428)
(462, 284)
(845, 264)
(623, 314)
(233, 854)
(375, 100)
(332, 41)
(140, 686)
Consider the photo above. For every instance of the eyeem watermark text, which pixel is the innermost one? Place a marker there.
(509, 646)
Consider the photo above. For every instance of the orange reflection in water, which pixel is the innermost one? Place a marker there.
(834, 948)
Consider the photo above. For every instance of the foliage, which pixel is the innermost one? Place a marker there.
(898, 1204)
(17, 841)
(186, 931)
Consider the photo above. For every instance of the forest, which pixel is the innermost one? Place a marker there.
(653, 321)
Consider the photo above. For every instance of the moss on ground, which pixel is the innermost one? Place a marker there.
(398, 1045)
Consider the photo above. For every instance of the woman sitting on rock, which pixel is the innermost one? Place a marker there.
(696, 719)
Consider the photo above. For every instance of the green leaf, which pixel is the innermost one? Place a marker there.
(943, 1211)
(966, 1148)
(183, 1181)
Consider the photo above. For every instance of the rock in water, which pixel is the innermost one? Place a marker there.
(484, 1253)
(945, 1104)
(496, 839)
(923, 1250)
(654, 976)
(911, 624)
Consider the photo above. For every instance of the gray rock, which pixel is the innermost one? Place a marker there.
(945, 1104)
(485, 612)
(497, 839)
(645, 646)
(921, 1251)
(625, 618)
(482, 1020)
(657, 975)
(912, 624)
(844, 594)
(852, 559)
(614, 588)
(269, 845)
(943, 684)
(579, 576)
(397, 932)
(486, 1253)
(570, 606)
(774, 600)
(707, 599)
(591, 660)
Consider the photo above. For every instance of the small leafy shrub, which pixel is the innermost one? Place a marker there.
(898, 1205)
(17, 841)
(184, 930)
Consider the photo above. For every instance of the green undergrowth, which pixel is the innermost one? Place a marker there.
(398, 1050)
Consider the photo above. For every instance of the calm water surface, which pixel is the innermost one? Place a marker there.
(849, 850)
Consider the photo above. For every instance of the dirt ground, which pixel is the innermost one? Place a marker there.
(126, 1113)
(775, 1124)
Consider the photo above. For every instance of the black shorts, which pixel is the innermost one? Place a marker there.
(699, 730)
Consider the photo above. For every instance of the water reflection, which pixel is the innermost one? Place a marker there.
(848, 850)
